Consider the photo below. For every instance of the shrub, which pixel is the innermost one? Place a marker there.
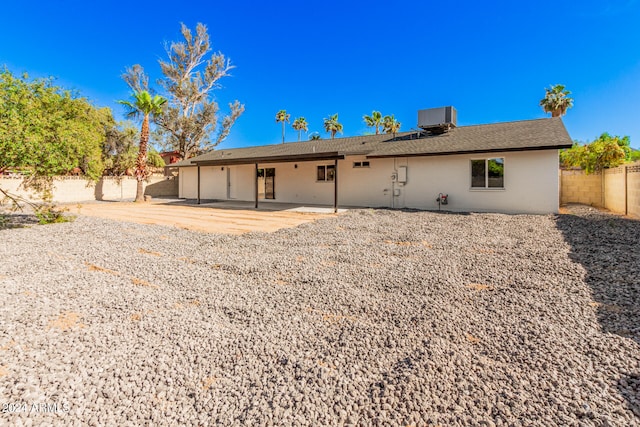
(50, 214)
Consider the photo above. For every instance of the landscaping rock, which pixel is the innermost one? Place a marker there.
(373, 317)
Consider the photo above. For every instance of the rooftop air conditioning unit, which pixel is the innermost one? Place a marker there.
(437, 120)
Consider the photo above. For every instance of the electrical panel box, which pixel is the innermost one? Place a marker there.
(402, 174)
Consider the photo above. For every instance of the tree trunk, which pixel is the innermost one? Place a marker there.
(141, 161)
(140, 192)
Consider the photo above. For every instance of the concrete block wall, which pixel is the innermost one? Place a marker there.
(12, 185)
(162, 187)
(614, 189)
(633, 190)
(77, 189)
(115, 189)
(578, 187)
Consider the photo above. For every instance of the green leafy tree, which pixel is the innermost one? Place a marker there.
(46, 131)
(374, 120)
(605, 152)
(143, 105)
(282, 116)
(391, 125)
(154, 159)
(300, 124)
(556, 101)
(120, 150)
(191, 122)
(315, 136)
(331, 125)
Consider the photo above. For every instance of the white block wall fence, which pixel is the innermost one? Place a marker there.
(71, 189)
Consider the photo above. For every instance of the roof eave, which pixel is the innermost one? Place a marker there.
(272, 159)
(492, 150)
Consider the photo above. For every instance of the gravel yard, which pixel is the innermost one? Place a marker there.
(373, 317)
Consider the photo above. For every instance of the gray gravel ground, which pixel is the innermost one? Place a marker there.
(375, 317)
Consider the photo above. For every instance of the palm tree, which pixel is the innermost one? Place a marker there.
(374, 120)
(282, 116)
(315, 136)
(144, 105)
(391, 125)
(556, 101)
(300, 124)
(332, 125)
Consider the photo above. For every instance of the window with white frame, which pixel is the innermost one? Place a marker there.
(364, 164)
(326, 173)
(487, 173)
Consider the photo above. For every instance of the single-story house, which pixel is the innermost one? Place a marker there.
(507, 167)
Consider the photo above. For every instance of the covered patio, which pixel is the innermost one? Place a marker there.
(258, 161)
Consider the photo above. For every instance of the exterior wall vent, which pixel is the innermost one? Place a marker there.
(437, 120)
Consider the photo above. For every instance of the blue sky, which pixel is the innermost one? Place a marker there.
(491, 60)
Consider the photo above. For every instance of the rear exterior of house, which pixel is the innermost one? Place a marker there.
(505, 167)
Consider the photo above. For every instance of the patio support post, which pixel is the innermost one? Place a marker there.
(256, 186)
(198, 184)
(335, 187)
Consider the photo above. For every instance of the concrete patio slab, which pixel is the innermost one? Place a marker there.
(228, 217)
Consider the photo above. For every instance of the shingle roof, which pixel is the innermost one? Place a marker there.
(509, 136)
(538, 134)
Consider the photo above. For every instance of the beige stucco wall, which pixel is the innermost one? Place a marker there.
(370, 186)
(78, 189)
(243, 176)
(188, 183)
(218, 182)
(531, 183)
(578, 187)
(299, 184)
(213, 184)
